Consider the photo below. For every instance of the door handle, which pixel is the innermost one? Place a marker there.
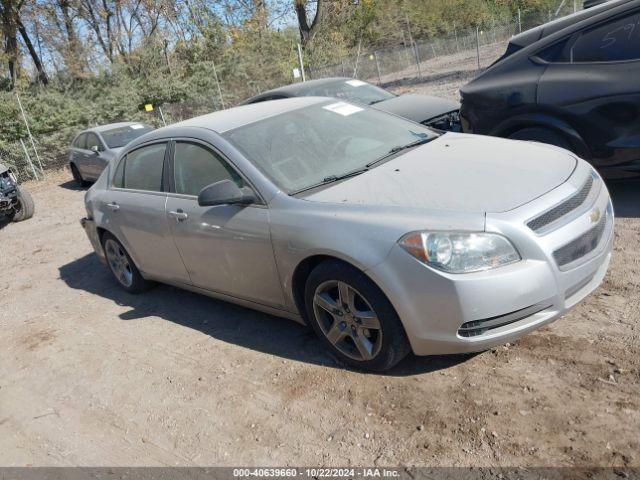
(113, 206)
(179, 215)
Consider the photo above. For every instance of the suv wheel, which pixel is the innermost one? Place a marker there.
(542, 135)
(25, 208)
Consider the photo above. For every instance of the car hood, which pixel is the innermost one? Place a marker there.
(458, 172)
(417, 107)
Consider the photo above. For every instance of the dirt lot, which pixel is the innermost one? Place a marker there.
(92, 376)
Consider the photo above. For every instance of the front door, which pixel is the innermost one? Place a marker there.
(135, 205)
(227, 248)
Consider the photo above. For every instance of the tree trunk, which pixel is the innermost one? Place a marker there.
(9, 12)
(73, 58)
(42, 75)
(308, 30)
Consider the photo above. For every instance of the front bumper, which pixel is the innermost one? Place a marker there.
(446, 313)
(94, 237)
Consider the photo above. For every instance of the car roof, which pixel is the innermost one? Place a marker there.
(225, 120)
(300, 88)
(529, 37)
(109, 126)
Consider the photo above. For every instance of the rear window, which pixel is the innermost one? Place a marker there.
(353, 90)
(119, 137)
(80, 142)
(142, 169)
(616, 40)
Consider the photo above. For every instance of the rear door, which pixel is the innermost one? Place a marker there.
(135, 204)
(592, 78)
(226, 248)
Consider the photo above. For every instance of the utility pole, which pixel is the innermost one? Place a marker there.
(26, 123)
(519, 21)
(478, 45)
(215, 76)
(304, 78)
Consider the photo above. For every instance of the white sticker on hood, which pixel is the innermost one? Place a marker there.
(136, 126)
(355, 83)
(342, 108)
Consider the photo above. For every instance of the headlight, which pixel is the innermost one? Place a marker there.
(460, 252)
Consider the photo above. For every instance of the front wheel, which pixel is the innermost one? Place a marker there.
(122, 267)
(25, 206)
(77, 176)
(353, 318)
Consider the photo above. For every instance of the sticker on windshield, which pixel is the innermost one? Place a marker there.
(344, 109)
(136, 126)
(355, 83)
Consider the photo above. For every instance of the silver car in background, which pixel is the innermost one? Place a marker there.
(380, 233)
(91, 150)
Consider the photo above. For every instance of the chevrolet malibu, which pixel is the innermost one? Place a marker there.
(381, 234)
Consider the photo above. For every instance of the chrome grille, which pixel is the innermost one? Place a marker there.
(581, 246)
(564, 208)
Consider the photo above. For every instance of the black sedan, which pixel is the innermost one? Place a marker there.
(574, 83)
(431, 111)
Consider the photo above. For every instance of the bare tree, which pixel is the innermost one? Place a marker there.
(9, 12)
(308, 29)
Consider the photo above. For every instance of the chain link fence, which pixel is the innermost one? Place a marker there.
(21, 158)
(463, 50)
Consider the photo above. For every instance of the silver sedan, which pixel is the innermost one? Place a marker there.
(93, 149)
(383, 235)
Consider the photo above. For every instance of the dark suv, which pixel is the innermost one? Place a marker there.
(574, 83)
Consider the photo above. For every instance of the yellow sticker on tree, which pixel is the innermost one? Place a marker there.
(148, 107)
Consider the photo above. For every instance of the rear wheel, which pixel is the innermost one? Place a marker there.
(25, 207)
(353, 318)
(122, 267)
(77, 176)
(542, 135)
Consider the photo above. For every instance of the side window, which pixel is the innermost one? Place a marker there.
(80, 141)
(118, 177)
(195, 167)
(143, 168)
(615, 40)
(93, 141)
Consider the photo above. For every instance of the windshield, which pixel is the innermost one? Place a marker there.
(351, 90)
(305, 147)
(119, 137)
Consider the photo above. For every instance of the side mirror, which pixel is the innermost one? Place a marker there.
(224, 192)
(95, 149)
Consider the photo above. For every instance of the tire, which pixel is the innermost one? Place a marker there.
(25, 208)
(542, 135)
(122, 267)
(367, 322)
(77, 176)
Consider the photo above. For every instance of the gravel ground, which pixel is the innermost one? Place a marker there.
(92, 376)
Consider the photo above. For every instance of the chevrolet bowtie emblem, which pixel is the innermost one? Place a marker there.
(594, 216)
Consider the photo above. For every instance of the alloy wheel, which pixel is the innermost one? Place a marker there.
(118, 262)
(347, 320)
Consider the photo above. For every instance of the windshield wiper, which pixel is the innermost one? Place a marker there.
(331, 179)
(400, 148)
